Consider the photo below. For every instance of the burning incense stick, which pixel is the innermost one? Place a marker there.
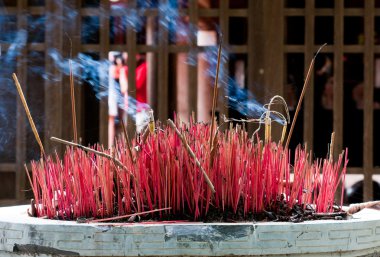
(74, 115)
(354, 208)
(332, 147)
(129, 215)
(306, 83)
(215, 96)
(72, 93)
(34, 129)
(284, 127)
(87, 149)
(151, 124)
(190, 151)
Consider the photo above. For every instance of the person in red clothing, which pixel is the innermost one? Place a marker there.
(141, 89)
(141, 76)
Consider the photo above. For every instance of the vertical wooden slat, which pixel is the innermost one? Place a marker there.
(308, 124)
(104, 49)
(253, 9)
(338, 76)
(151, 59)
(163, 66)
(21, 119)
(369, 36)
(256, 48)
(74, 31)
(223, 23)
(65, 108)
(193, 74)
(53, 88)
(250, 46)
(61, 41)
(338, 91)
(131, 63)
(273, 55)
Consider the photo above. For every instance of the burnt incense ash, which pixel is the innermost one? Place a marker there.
(171, 177)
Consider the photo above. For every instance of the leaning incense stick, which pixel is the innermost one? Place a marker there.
(192, 154)
(129, 215)
(73, 111)
(72, 93)
(87, 149)
(306, 83)
(354, 208)
(22, 97)
(215, 95)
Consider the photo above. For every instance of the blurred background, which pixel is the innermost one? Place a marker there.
(267, 48)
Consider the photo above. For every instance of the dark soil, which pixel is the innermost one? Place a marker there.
(277, 212)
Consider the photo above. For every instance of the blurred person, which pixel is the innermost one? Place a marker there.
(114, 95)
(327, 100)
(124, 81)
(142, 116)
(141, 91)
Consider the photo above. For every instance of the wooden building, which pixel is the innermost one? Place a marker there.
(270, 45)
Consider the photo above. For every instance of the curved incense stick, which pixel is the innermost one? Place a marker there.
(306, 83)
(34, 129)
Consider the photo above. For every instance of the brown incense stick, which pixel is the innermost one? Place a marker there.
(192, 154)
(72, 93)
(87, 149)
(73, 111)
(332, 147)
(30, 179)
(129, 215)
(22, 97)
(306, 83)
(354, 208)
(215, 96)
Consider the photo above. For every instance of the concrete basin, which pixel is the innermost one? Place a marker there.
(21, 235)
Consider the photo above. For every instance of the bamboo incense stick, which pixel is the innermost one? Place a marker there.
(354, 208)
(72, 93)
(192, 154)
(30, 179)
(215, 95)
(332, 147)
(31, 122)
(268, 128)
(73, 111)
(284, 127)
(306, 83)
(87, 149)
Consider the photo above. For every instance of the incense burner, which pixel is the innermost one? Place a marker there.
(22, 235)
